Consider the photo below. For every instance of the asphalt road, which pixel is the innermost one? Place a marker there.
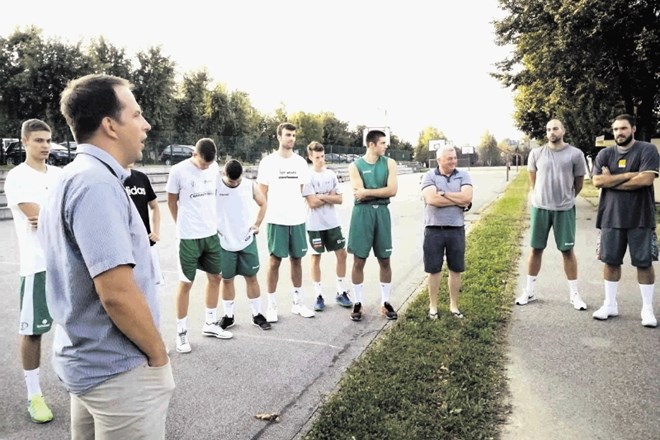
(223, 384)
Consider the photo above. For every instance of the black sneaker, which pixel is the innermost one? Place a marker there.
(226, 322)
(357, 312)
(261, 322)
(388, 311)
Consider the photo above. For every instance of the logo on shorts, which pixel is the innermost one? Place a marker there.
(44, 324)
(24, 325)
(255, 267)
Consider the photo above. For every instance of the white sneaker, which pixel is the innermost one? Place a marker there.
(271, 314)
(606, 311)
(577, 302)
(525, 298)
(648, 318)
(214, 329)
(300, 309)
(182, 344)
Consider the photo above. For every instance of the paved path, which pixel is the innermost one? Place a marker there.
(222, 384)
(572, 377)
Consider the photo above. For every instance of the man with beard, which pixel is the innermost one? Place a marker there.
(626, 215)
(556, 174)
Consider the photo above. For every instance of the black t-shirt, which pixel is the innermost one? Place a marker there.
(138, 187)
(627, 209)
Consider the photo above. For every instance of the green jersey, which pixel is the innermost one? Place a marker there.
(373, 176)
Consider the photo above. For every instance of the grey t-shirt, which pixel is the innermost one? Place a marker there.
(447, 215)
(627, 209)
(556, 171)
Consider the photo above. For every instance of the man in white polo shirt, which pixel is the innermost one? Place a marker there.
(191, 188)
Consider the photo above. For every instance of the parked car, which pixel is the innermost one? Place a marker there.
(176, 153)
(14, 154)
(60, 155)
(332, 158)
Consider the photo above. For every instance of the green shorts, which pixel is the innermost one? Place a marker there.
(330, 240)
(371, 226)
(562, 224)
(244, 262)
(287, 241)
(35, 318)
(198, 253)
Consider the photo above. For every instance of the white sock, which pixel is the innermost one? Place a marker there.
(182, 324)
(531, 282)
(610, 292)
(385, 289)
(32, 382)
(318, 289)
(272, 300)
(573, 286)
(297, 295)
(357, 291)
(647, 294)
(255, 306)
(340, 285)
(229, 308)
(211, 315)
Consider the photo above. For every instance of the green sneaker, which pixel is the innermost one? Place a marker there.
(39, 411)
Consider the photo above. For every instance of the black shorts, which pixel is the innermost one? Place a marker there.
(444, 240)
(641, 242)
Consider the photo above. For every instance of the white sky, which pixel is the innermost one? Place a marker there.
(405, 64)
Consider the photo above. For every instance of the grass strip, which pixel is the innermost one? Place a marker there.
(441, 379)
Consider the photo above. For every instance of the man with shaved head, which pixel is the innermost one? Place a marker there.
(556, 173)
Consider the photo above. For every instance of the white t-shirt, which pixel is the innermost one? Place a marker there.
(284, 178)
(196, 217)
(233, 206)
(24, 184)
(324, 217)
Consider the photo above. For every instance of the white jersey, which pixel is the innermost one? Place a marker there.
(233, 207)
(196, 217)
(324, 217)
(24, 184)
(284, 178)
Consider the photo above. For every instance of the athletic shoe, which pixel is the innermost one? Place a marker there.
(271, 314)
(261, 322)
(357, 312)
(343, 300)
(182, 344)
(648, 318)
(39, 411)
(319, 305)
(577, 302)
(525, 298)
(227, 322)
(606, 311)
(214, 329)
(388, 311)
(300, 309)
(433, 315)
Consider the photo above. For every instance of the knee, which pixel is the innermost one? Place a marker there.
(274, 262)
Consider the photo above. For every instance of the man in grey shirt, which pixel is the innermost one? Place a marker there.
(556, 173)
(101, 288)
(447, 192)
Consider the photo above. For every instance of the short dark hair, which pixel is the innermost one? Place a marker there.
(233, 169)
(285, 125)
(374, 135)
(315, 146)
(32, 125)
(89, 99)
(207, 149)
(625, 117)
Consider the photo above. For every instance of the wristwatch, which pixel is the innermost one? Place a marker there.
(442, 193)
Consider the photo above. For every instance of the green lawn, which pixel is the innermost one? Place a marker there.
(440, 379)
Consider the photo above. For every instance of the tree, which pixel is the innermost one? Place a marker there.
(192, 103)
(489, 154)
(582, 62)
(109, 59)
(422, 149)
(309, 128)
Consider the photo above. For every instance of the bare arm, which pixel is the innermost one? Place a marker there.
(128, 309)
(639, 180)
(462, 198)
(532, 179)
(389, 190)
(332, 198)
(314, 201)
(609, 180)
(173, 205)
(263, 189)
(31, 211)
(155, 220)
(261, 201)
(578, 183)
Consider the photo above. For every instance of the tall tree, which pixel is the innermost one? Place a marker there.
(489, 154)
(109, 59)
(582, 62)
(191, 105)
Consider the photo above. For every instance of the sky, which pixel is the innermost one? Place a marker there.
(402, 64)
